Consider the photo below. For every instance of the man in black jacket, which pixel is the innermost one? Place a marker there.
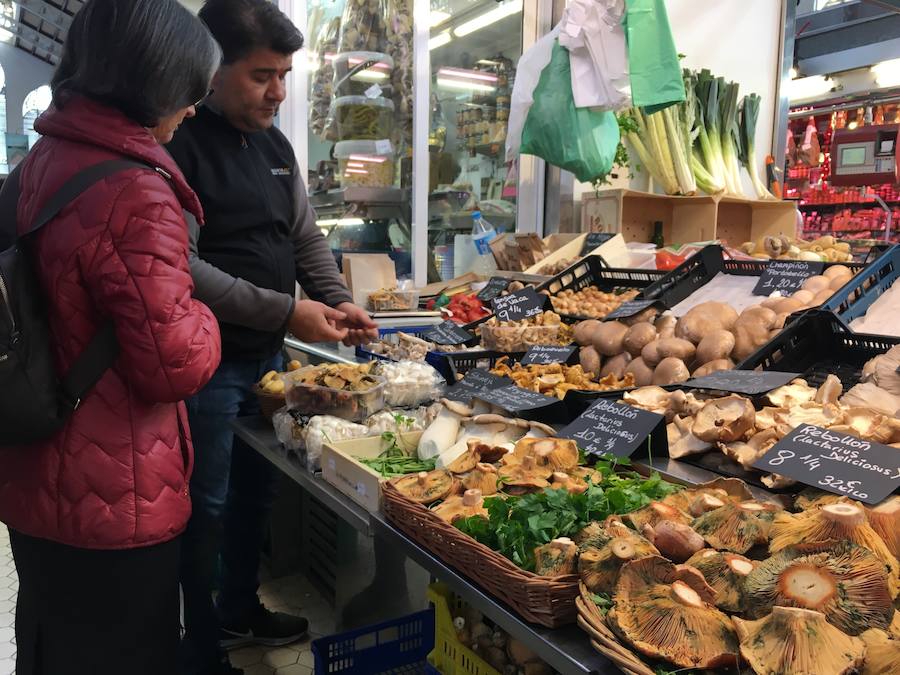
(259, 239)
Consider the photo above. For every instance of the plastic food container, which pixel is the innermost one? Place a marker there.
(354, 406)
(363, 74)
(517, 338)
(366, 163)
(380, 300)
(363, 119)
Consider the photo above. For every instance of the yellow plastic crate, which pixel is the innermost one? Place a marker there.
(450, 656)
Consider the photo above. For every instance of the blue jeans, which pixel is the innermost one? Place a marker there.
(232, 492)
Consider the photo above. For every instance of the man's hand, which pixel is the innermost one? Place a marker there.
(361, 329)
(314, 322)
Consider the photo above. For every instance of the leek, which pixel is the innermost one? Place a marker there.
(707, 125)
(728, 107)
(746, 137)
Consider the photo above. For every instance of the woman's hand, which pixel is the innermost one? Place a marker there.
(314, 322)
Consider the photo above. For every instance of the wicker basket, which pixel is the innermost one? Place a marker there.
(268, 403)
(604, 640)
(544, 600)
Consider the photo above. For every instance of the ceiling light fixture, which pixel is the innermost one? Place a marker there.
(439, 40)
(887, 73)
(501, 12)
(809, 87)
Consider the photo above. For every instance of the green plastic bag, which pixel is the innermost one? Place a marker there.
(653, 67)
(580, 140)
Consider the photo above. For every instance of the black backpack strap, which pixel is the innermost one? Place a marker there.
(103, 349)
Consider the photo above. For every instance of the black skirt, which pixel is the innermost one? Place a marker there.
(90, 612)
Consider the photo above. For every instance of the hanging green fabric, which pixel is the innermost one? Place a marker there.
(580, 140)
(653, 66)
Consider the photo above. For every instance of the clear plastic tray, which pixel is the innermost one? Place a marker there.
(396, 301)
(354, 406)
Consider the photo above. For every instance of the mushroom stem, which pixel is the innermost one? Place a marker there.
(808, 585)
(422, 477)
(528, 462)
(472, 497)
(845, 514)
(686, 595)
(740, 566)
(704, 503)
(750, 506)
(622, 549)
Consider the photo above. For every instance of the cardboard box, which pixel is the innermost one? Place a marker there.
(354, 479)
(611, 249)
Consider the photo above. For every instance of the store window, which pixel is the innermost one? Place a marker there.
(37, 101)
(475, 46)
(4, 169)
(360, 125)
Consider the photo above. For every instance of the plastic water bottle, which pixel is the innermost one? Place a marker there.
(483, 233)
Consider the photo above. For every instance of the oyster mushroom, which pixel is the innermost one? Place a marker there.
(665, 611)
(882, 653)
(676, 541)
(655, 512)
(726, 573)
(792, 641)
(556, 559)
(885, 520)
(599, 567)
(830, 390)
(826, 415)
(870, 395)
(845, 582)
(560, 454)
(737, 527)
(681, 403)
(483, 477)
(470, 503)
(425, 487)
(833, 522)
(724, 419)
(798, 391)
(682, 442)
(654, 399)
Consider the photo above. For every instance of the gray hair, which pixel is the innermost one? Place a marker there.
(146, 58)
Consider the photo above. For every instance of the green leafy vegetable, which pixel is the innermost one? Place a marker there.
(747, 135)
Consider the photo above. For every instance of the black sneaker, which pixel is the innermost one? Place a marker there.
(264, 627)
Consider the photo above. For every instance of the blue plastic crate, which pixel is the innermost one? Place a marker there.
(436, 359)
(396, 646)
(854, 299)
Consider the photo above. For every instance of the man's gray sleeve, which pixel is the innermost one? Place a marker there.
(232, 299)
(317, 270)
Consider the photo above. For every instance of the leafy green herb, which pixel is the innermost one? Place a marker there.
(397, 465)
(603, 601)
(517, 525)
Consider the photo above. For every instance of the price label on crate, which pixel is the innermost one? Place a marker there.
(595, 239)
(495, 286)
(447, 333)
(474, 382)
(632, 307)
(750, 382)
(786, 276)
(835, 462)
(608, 427)
(544, 354)
(520, 305)
(514, 399)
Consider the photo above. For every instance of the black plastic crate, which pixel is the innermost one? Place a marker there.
(592, 271)
(854, 299)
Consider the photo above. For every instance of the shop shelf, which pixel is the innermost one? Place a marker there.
(450, 656)
(854, 299)
(392, 647)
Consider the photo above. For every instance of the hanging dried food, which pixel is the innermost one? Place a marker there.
(665, 612)
(726, 573)
(737, 527)
(399, 47)
(556, 559)
(425, 488)
(363, 27)
(599, 567)
(792, 641)
(322, 80)
(845, 582)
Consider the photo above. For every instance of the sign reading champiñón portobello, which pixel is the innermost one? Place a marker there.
(514, 399)
(608, 427)
(447, 333)
(750, 382)
(595, 239)
(835, 462)
(474, 382)
(545, 354)
(632, 307)
(520, 305)
(495, 286)
(786, 276)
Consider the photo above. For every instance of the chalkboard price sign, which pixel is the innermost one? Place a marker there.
(514, 399)
(835, 462)
(608, 427)
(474, 382)
(595, 239)
(630, 308)
(786, 276)
(494, 288)
(521, 305)
(544, 354)
(447, 333)
(750, 382)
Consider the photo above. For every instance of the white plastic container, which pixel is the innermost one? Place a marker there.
(365, 163)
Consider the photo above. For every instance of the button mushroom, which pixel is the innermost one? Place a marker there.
(724, 419)
(717, 345)
(671, 370)
(609, 337)
(636, 337)
(642, 373)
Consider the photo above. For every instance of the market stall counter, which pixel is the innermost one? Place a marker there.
(564, 649)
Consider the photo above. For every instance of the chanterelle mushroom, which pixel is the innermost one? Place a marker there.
(654, 399)
(725, 572)
(423, 487)
(845, 582)
(792, 641)
(683, 443)
(599, 567)
(724, 419)
(833, 522)
(665, 612)
(737, 527)
(556, 559)
(469, 504)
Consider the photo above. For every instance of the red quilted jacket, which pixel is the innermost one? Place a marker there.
(116, 476)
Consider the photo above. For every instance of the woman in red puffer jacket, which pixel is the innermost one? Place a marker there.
(95, 513)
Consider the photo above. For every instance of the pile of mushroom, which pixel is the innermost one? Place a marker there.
(787, 593)
(662, 349)
(698, 423)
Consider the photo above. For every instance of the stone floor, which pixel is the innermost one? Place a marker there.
(290, 594)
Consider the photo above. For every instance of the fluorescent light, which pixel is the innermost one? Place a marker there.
(794, 73)
(809, 87)
(352, 171)
(437, 18)
(887, 73)
(343, 222)
(463, 74)
(486, 19)
(372, 159)
(439, 40)
(356, 165)
(463, 85)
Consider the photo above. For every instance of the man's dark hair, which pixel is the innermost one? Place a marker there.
(243, 26)
(146, 58)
